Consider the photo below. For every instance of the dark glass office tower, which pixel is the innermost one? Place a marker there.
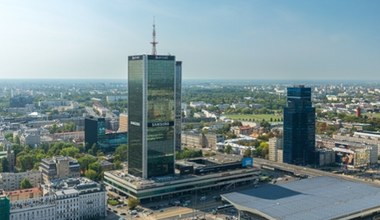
(152, 101)
(94, 129)
(178, 109)
(299, 127)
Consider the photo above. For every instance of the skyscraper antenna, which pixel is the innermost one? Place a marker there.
(154, 42)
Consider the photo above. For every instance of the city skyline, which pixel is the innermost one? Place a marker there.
(292, 40)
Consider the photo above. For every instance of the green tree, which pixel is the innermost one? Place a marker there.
(95, 166)
(117, 165)
(9, 137)
(56, 148)
(228, 149)
(91, 174)
(85, 161)
(266, 125)
(53, 129)
(17, 139)
(25, 184)
(187, 153)
(93, 150)
(25, 162)
(17, 148)
(132, 203)
(70, 151)
(248, 152)
(264, 146)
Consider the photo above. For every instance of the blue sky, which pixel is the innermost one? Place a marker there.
(215, 39)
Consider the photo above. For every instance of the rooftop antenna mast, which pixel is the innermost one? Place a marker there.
(154, 42)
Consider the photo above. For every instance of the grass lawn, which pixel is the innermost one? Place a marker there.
(250, 117)
(112, 202)
(375, 115)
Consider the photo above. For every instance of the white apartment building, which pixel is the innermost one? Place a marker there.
(11, 181)
(79, 198)
(72, 198)
(43, 208)
(67, 204)
(275, 151)
(92, 205)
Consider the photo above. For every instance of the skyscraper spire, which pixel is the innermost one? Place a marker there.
(154, 42)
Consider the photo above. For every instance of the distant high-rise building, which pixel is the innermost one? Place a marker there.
(358, 112)
(20, 101)
(275, 149)
(95, 133)
(123, 123)
(299, 127)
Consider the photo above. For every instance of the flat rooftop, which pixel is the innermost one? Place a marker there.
(313, 198)
(141, 183)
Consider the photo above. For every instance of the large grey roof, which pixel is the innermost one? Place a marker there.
(313, 198)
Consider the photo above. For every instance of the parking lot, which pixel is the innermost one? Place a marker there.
(200, 206)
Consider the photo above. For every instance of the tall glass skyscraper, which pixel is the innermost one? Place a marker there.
(299, 127)
(154, 102)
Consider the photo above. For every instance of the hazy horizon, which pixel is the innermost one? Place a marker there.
(255, 40)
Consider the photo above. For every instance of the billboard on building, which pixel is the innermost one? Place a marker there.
(247, 162)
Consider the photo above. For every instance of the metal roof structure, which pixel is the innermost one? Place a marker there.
(314, 198)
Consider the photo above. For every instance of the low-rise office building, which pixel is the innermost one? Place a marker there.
(31, 137)
(58, 168)
(351, 153)
(242, 130)
(325, 156)
(200, 140)
(191, 176)
(370, 138)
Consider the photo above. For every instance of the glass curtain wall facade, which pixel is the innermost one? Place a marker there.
(94, 129)
(299, 127)
(178, 109)
(4, 208)
(152, 113)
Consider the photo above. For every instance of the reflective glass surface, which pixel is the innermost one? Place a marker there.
(135, 114)
(151, 97)
(299, 127)
(161, 113)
